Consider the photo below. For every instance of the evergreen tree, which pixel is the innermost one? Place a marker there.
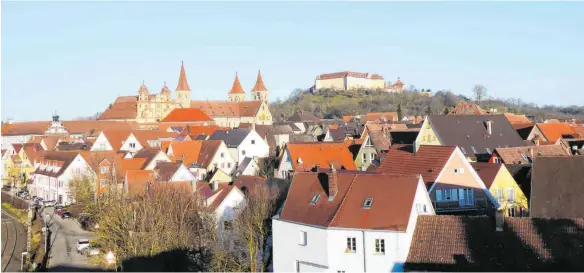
(399, 112)
(428, 110)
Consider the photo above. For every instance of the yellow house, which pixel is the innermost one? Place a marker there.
(11, 170)
(426, 136)
(503, 187)
(28, 154)
(220, 176)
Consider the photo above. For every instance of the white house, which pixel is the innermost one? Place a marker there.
(223, 199)
(249, 166)
(174, 172)
(347, 222)
(202, 156)
(52, 176)
(242, 143)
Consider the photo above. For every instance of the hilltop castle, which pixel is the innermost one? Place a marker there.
(152, 108)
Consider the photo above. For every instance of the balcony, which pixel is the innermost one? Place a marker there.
(479, 204)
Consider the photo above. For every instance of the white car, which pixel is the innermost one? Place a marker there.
(82, 244)
(49, 203)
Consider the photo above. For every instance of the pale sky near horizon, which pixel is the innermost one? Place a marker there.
(77, 57)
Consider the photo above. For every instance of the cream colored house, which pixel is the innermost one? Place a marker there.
(349, 81)
(152, 108)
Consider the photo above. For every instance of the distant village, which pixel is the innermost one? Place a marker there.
(471, 190)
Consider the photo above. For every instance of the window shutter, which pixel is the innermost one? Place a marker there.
(438, 195)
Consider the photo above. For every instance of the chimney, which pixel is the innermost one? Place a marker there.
(214, 185)
(499, 220)
(253, 126)
(333, 184)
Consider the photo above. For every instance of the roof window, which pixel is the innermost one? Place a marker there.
(463, 150)
(315, 199)
(368, 202)
(474, 150)
(488, 150)
(524, 157)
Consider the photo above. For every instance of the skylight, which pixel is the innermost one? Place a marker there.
(488, 150)
(315, 199)
(463, 150)
(474, 150)
(524, 157)
(368, 202)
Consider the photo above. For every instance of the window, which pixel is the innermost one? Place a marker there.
(497, 160)
(222, 165)
(227, 225)
(351, 245)
(132, 145)
(488, 150)
(465, 197)
(228, 164)
(511, 212)
(315, 199)
(425, 209)
(368, 202)
(253, 141)
(379, 246)
(499, 195)
(222, 155)
(243, 152)
(364, 157)
(102, 146)
(473, 149)
(371, 156)
(458, 171)
(463, 150)
(302, 238)
(104, 169)
(447, 195)
(524, 157)
(340, 271)
(511, 195)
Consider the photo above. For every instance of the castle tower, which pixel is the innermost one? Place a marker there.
(259, 91)
(236, 93)
(183, 91)
(143, 101)
(165, 92)
(143, 92)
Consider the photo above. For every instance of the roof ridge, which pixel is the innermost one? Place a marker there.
(343, 200)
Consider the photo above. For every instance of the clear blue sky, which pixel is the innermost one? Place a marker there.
(77, 57)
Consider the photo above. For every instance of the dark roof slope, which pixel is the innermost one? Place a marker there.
(392, 196)
(232, 138)
(487, 171)
(557, 187)
(468, 131)
(304, 116)
(462, 243)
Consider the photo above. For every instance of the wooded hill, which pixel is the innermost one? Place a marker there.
(331, 104)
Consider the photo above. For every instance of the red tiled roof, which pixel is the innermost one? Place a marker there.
(228, 108)
(514, 155)
(123, 108)
(467, 109)
(428, 161)
(138, 179)
(390, 210)
(236, 89)
(259, 85)
(116, 138)
(25, 128)
(554, 131)
(517, 119)
(186, 115)
(183, 85)
(200, 152)
(320, 153)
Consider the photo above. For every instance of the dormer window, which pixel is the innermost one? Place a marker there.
(132, 145)
(299, 160)
(315, 199)
(368, 202)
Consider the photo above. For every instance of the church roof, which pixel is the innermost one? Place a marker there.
(259, 85)
(228, 108)
(236, 89)
(125, 107)
(183, 85)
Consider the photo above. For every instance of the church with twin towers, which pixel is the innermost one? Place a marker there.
(148, 108)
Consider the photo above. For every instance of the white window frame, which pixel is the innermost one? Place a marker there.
(303, 238)
(371, 156)
(104, 169)
(511, 195)
(364, 157)
(351, 245)
(379, 248)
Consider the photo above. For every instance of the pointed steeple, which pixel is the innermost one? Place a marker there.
(143, 88)
(259, 85)
(165, 89)
(236, 89)
(183, 85)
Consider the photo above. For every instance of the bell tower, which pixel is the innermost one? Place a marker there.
(183, 91)
(236, 93)
(259, 91)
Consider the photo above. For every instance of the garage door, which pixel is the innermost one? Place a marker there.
(309, 267)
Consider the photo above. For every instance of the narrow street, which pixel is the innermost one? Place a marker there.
(64, 235)
(13, 243)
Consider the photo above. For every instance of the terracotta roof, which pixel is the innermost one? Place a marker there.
(94, 158)
(487, 171)
(320, 153)
(127, 164)
(17, 147)
(228, 108)
(200, 130)
(392, 196)
(138, 180)
(398, 83)
(167, 169)
(467, 109)
(33, 153)
(122, 108)
(554, 131)
(466, 244)
(183, 85)
(304, 116)
(259, 85)
(517, 119)
(186, 115)
(344, 74)
(514, 155)
(470, 132)
(245, 182)
(25, 128)
(116, 138)
(143, 136)
(428, 161)
(199, 152)
(380, 141)
(61, 159)
(83, 126)
(523, 129)
(557, 188)
(348, 118)
(149, 154)
(236, 89)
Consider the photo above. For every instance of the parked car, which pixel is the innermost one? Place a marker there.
(57, 207)
(49, 203)
(60, 210)
(90, 251)
(6, 188)
(65, 214)
(82, 244)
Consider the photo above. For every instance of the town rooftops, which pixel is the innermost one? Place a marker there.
(25, 128)
(125, 107)
(307, 155)
(391, 198)
(345, 74)
(517, 119)
(461, 243)
(236, 89)
(464, 108)
(304, 116)
(554, 131)
(428, 161)
(187, 115)
(487, 171)
(475, 134)
(228, 108)
(61, 160)
(197, 152)
(557, 188)
(232, 138)
(525, 154)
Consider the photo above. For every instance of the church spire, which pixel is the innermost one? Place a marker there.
(183, 85)
(236, 89)
(259, 85)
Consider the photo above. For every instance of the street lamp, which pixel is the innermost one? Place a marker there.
(22, 260)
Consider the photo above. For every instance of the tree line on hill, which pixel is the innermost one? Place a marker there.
(331, 104)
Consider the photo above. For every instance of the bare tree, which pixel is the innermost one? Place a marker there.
(479, 91)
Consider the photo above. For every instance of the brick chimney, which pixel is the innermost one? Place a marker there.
(333, 183)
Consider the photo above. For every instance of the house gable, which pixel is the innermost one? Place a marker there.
(131, 144)
(503, 182)
(101, 144)
(182, 174)
(427, 135)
